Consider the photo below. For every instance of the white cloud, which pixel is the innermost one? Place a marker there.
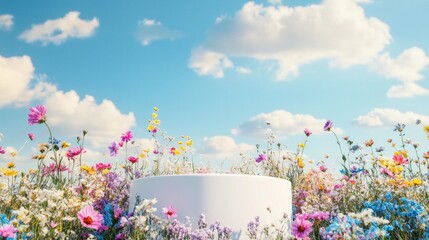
(406, 90)
(150, 30)
(69, 115)
(243, 70)
(407, 68)
(336, 30)
(6, 22)
(386, 117)
(207, 62)
(19, 84)
(223, 148)
(281, 123)
(59, 30)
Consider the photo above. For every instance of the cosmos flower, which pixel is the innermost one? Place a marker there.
(261, 157)
(113, 148)
(133, 159)
(169, 212)
(37, 115)
(90, 218)
(307, 132)
(301, 227)
(31, 136)
(328, 126)
(2, 151)
(73, 152)
(127, 136)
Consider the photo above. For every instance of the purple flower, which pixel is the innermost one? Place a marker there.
(307, 132)
(37, 115)
(328, 126)
(126, 137)
(114, 148)
(2, 151)
(301, 227)
(261, 157)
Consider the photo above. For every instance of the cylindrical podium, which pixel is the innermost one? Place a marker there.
(233, 200)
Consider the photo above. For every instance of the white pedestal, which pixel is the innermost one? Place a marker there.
(232, 199)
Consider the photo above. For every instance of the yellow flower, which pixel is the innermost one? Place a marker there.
(146, 150)
(301, 163)
(426, 128)
(150, 128)
(182, 148)
(404, 153)
(154, 115)
(417, 181)
(105, 171)
(189, 143)
(301, 145)
(155, 109)
(88, 169)
(65, 144)
(180, 142)
(176, 152)
(10, 165)
(9, 172)
(156, 122)
(142, 155)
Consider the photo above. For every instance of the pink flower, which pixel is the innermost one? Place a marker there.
(400, 160)
(301, 227)
(169, 212)
(307, 132)
(133, 159)
(155, 151)
(31, 136)
(8, 231)
(126, 137)
(2, 151)
(101, 166)
(53, 168)
(261, 157)
(387, 172)
(90, 218)
(53, 224)
(121, 144)
(323, 168)
(173, 150)
(37, 115)
(73, 152)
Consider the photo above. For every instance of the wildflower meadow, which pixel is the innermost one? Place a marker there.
(374, 196)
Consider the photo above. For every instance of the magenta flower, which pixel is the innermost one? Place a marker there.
(73, 152)
(52, 168)
(2, 151)
(328, 126)
(133, 159)
(31, 136)
(101, 166)
(90, 218)
(169, 212)
(126, 137)
(323, 168)
(261, 157)
(121, 144)
(8, 231)
(301, 227)
(113, 148)
(307, 132)
(37, 115)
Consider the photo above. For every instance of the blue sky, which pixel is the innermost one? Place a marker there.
(217, 70)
